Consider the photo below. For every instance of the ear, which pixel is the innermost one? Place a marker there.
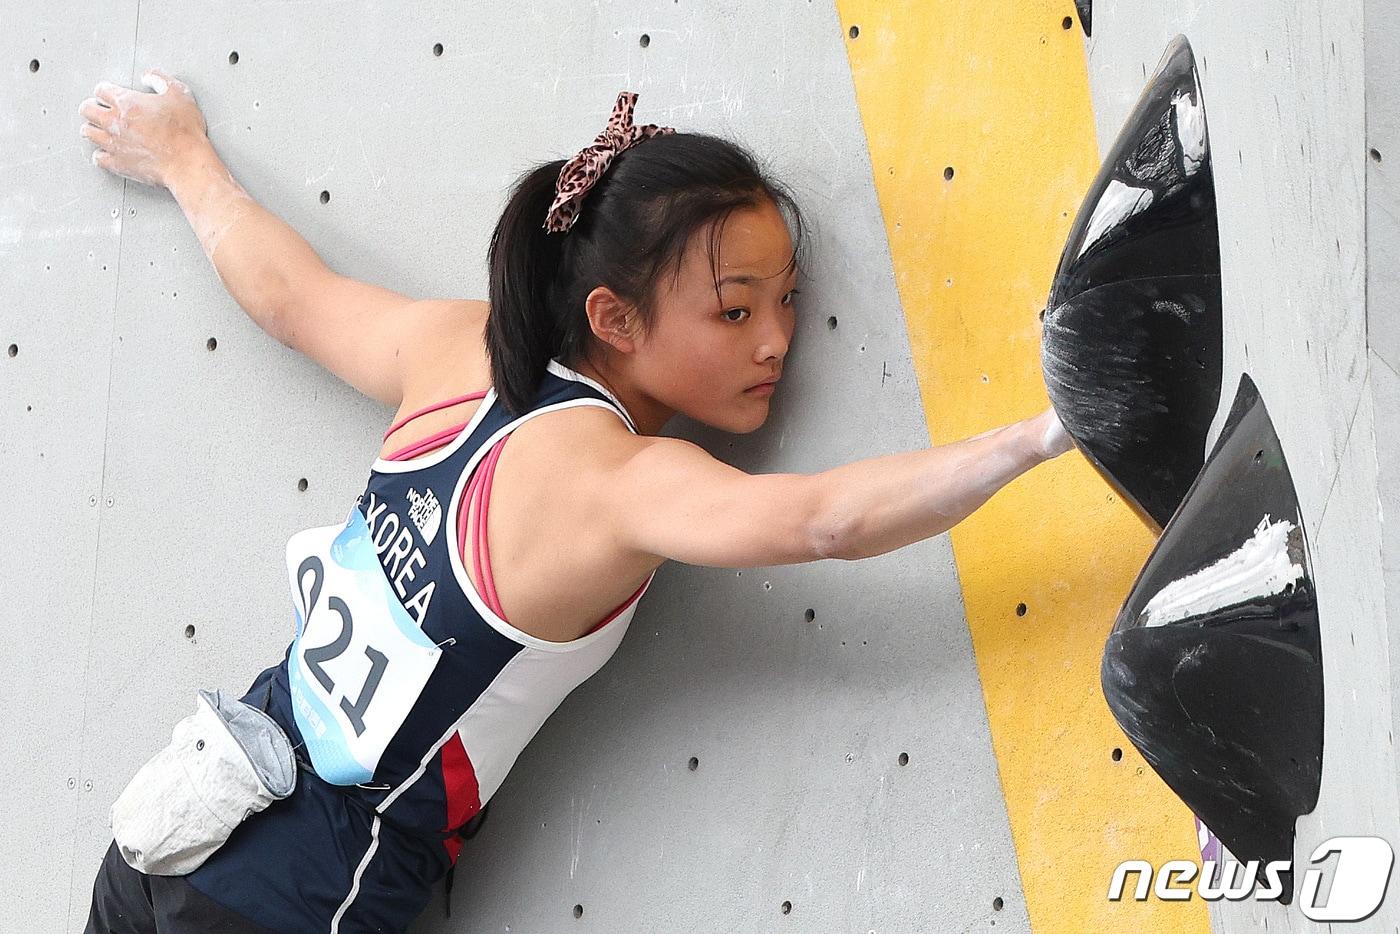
(613, 320)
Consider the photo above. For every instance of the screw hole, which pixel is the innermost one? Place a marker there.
(1117, 754)
(948, 173)
(199, 744)
(325, 197)
(189, 631)
(904, 758)
(998, 904)
(211, 343)
(233, 58)
(1067, 22)
(787, 908)
(831, 323)
(693, 764)
(854, 31)
(33, 64)
(14, 349)
(810, 615)
(645, 40)
(437, 48)
(1375, 155)
(1020, 609)
(302, 484)
(578, 911)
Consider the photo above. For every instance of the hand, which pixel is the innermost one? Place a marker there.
(143, 136)
(1050, 438)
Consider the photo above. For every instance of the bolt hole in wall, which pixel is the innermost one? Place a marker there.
(14, 349)
(1375, 155)
(948, 173)
(853, 31)
(693, 764)
(437, 48)
(211, 343)
(1117, 754)
(33, 64)
(189, 631)
(1067, 22)
(325, 197)
(831, 323)
(1020, 609)
(302, 484)
(578, 911)
(644, 41)
(233, 58)
(904, 758)
(998, 904)
(809, 615)
(787, 908)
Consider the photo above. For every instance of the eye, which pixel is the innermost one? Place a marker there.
(788, 298)
(725, 315)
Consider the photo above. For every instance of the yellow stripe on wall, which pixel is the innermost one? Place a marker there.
(998, 93)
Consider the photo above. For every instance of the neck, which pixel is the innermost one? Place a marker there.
(649, 415)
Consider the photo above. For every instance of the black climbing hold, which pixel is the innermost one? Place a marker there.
(1131, 343)
(1214, 666)
(1086, 15)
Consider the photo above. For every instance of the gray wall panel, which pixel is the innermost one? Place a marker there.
(194, 457)
(1284, 86)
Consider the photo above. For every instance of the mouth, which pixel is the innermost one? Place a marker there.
(763, 388)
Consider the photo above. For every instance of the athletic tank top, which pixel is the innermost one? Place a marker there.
(404, 686)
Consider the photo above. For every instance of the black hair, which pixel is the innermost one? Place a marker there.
(632, 229)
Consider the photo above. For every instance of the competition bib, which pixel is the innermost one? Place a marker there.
(359, 661)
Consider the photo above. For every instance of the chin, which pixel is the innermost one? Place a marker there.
(737, 423)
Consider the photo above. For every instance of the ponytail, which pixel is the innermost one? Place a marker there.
(522, 334)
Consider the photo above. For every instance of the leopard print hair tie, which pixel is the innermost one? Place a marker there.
(581, 172)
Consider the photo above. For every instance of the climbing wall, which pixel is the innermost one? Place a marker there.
(913, 742)
(1284, 86)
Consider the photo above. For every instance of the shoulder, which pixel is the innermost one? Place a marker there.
(447, 348)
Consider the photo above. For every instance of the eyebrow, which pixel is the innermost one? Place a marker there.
(743, 278)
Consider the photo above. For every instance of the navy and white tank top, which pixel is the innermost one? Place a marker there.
(404, 689)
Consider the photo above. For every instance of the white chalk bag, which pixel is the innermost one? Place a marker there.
(225, 761)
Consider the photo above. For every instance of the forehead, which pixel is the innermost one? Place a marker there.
(753, 242)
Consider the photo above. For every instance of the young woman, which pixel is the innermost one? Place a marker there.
(651, 274)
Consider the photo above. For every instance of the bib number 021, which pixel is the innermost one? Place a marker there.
(315, 657)
(359, 661)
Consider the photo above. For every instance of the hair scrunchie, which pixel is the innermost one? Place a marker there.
(581, 172)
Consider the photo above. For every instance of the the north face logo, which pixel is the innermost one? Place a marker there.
(425, 512)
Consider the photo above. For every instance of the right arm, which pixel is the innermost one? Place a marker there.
(673, 500)
(361, 332)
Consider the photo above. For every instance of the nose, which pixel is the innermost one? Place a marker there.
(775, 339)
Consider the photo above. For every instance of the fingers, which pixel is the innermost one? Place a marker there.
(95, 112)
(97, 135)
(107, 92)
(1055, 440)
(155, 82)
(161, 81)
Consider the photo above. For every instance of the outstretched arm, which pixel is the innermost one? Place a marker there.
(675, 501)
(355, 329)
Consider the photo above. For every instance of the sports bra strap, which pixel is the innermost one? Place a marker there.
(433, 408)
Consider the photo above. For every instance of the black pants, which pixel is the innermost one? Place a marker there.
(126, 901)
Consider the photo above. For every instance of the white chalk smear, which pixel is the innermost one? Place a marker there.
(1191, 131)
(1257, 568)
